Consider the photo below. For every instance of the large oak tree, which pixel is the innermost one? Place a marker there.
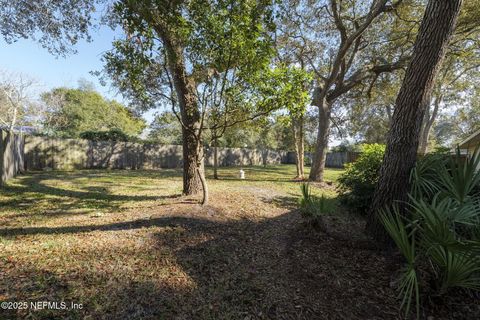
(345, 44)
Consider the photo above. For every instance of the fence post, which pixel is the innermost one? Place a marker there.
(2, 152)
(11, 155)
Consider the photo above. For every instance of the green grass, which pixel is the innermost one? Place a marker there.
(51, 195)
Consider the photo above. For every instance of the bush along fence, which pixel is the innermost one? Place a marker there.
(11, 155)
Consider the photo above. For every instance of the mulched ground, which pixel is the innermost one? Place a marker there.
(249, 259)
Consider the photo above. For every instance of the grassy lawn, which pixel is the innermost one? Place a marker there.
(126, 245)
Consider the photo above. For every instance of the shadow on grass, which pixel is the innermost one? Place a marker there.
(292, 200)
(128, 225)
(289, 201)
(34, 187)
(269, 269)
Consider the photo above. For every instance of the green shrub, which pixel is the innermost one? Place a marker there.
(424, 178)
(441, 229)
(346, 147)
(357, 183)
(111, 135)
(312, 207)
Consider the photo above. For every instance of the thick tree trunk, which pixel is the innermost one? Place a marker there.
(192, 160)
(321, 148)
(215, 158)
(190, 116)
(403, 137)
(298, 136)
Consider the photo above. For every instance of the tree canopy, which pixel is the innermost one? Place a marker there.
(75, 111)
(55, 24)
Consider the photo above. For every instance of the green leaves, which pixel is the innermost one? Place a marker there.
(424, 179)
(461, 176)
(441, 227)
(402, 233)
(221, 50)
(77, 110)
(358, 181)
(56, 25)
(312, 207)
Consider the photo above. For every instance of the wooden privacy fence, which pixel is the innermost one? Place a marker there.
(68, 154)
(11, 155)
(339, 159)
(334, 159)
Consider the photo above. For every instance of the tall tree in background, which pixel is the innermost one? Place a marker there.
(290, 52)
(432, 40)
(453, 88)
(298, 129)
(364, 52)
(370, 108)
(17, 105)
(244, 99)
(369, 113)
(456, 125)
(297, 109)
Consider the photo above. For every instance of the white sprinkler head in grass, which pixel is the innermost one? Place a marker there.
(242, 174)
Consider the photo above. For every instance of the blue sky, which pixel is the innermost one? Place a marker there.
(28, 57)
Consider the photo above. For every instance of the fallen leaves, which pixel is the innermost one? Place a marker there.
(124, 245)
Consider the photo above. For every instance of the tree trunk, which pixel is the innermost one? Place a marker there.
(191, 159)
(215, 158)
(403, 137)
(423, 139)
(190, 116)
(14, 120)
(428, 121)
(201, 176)
(298, 136)
(321, 148)
(301, 149)
(264, 157)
